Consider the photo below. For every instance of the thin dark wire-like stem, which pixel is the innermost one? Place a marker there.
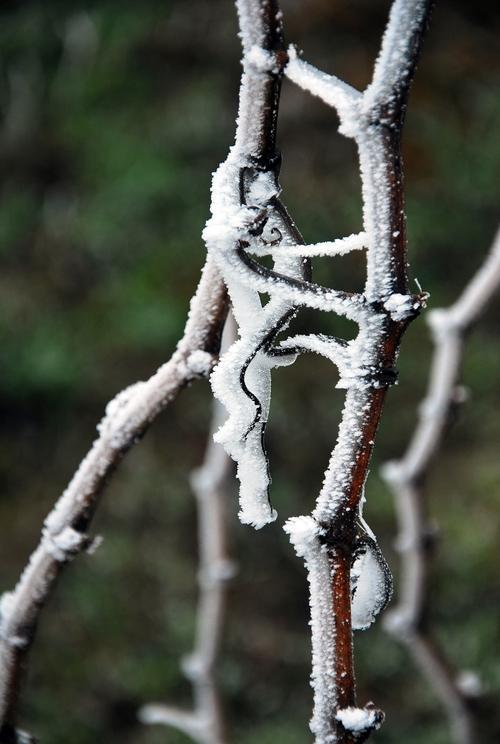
(406, 478)
(65, 530)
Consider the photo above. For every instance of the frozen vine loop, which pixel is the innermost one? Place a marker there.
(249, 221)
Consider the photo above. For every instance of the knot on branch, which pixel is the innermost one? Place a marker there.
(341, 534)
(64, 545)
(369, 376)
(405, 307)
(266, 61)
(360, 722)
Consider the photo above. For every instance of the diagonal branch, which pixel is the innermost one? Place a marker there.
(406, 478)
(65, 532)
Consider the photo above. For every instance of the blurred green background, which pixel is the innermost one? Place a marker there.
(113, 117)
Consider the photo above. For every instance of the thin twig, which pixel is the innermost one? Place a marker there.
(65, 530)
(406, 478)
(205, 722)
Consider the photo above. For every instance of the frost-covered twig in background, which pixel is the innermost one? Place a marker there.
(374, 119)
(205, 722)
(248, 220)
(407, 476)
(65, 530)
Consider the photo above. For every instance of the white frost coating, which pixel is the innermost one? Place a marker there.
(325, 346)
(340, 247)
(245, 221)
(242, 379)
(62, 545)
(370, 586)
(247, 362)
(241, 435)
(401, 306)
(200, 362)
(304, 535)
(262, 60)
(357, 720)
(393, 65)
(328, 88)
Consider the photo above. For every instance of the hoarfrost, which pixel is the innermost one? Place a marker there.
(401, 306)
(371, 586)
(60, 546)
(262, 60)
(304, 534)
(200, 362)
(358, 720)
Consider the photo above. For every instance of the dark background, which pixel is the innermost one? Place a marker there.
(113, 117)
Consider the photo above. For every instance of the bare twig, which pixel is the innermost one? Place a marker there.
(205, 722)
(406, 477)
(65, 531)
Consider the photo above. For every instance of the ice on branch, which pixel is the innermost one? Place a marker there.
(247, 219)
(340, 247)
(371, 585)
(358, 720)
(65, 544)
(401, 307)
(262, 60)
(330, 89)
(200, 362)
(305, 534)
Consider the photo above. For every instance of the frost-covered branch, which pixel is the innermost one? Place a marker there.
(248, 219)
(65, 532)
(359, 579)
(205, 722)
(407, 476)
(247, 215)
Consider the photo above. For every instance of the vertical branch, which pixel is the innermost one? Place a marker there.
(406, 478)
(205, 722)
(264, 57)
(65, 532)
(374, 119)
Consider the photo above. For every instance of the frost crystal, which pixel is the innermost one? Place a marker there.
(262, 60)
(304, 534)
(371, 586)
(62, 545)
(400, 306)
(199, 362)
(358, 720)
